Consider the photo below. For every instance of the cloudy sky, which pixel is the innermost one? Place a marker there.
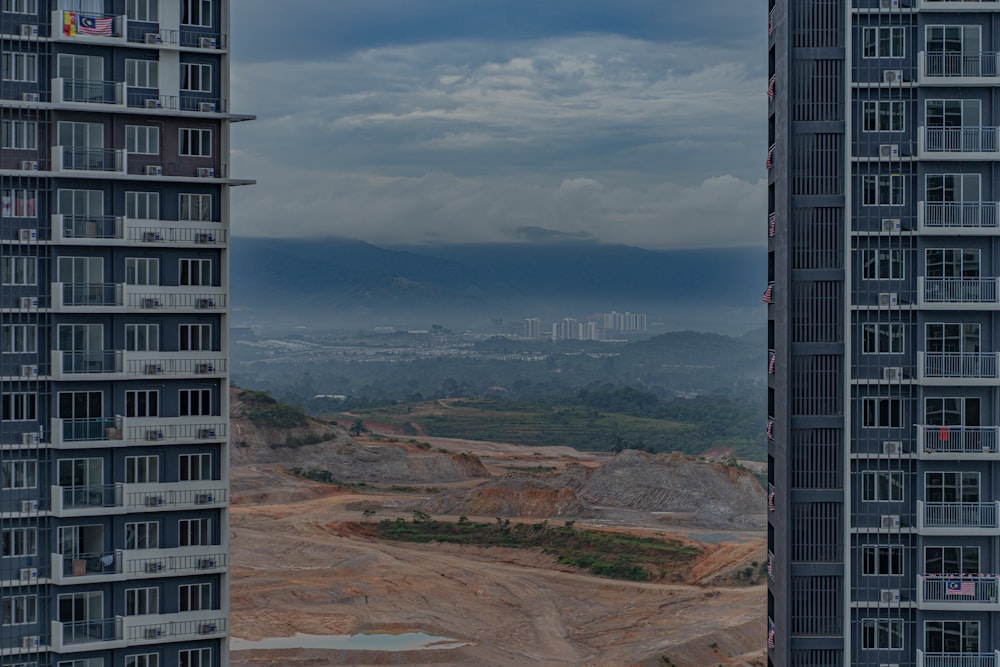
(455, 121)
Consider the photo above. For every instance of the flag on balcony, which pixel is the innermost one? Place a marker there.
(960, 587)
(69, 24)
(768, 294)
(770, 24)
(770, 638)
(770, 565)
(770, 87)
(772, 223)
(770, 429)
(769, 162)
(91, 25)
(770, 499)
(770, 365)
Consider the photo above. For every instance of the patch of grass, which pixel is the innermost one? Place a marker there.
(278, 415)
(325, 477)
(415, 489)
(308, 439)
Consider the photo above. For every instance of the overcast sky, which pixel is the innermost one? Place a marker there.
(454, 121)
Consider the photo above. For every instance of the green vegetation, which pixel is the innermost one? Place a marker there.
(325, 477)
(265, 410)
(308, 439)
(612, 555)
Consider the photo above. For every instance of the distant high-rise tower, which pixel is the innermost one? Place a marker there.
(883, 328)
(114, 322)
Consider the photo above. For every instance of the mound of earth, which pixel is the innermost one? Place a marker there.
(515, 494)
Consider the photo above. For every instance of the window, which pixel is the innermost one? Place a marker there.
(195, 467)
(82, 662)
(195, 402)
(196, 78)
(196, 143)
(19, 203)
(20, 407)
(19, 270)
(951, 560)
(882, 633)
(142, 139)
(196, 12)
(142, 601)
(196, 272)
(142, 271)
(882, 412)
(883, 338)
(953, 263)
(142, 73)
(20, 610)
(148, 11)
(195, 657)
(952, 638)
(20, 542)
(882, 560)
(19, 67)
(142, 535)
(143, 659)
(883, 116)
(196, 207)
(20, 134)
(142, 469)
(882, 264)
(951, 338)
(193, 532)
(20, 6)
(195, 337)
(882, 190)
(194, 597)
(883, 43)
(881, 486)
(142, 205)
(18, 338)
(951, 487)
(142, 403)
(18, 474)
(142, 337)
(945, 411)
(81, 404)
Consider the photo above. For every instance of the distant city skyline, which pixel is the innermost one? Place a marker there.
(507, 121)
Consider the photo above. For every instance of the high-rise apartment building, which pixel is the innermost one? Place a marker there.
(884, 391)
(114, 333)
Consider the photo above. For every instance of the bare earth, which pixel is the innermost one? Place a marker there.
(299, 568)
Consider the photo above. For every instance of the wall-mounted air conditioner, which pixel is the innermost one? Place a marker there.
(29, 302)
(28, 575)
(30, 439)
(30, 97)
(153, 369)
(888, 299)
(208, 42)
(30, 642)
(153, 501)
(205, 303)
(29, 30)
(890, 521)
(889, 595)
(206, 107)
(29, 165)
(204, 238)
(892, 447)
(204, 368)
(888, 150)
(150, 237)
(154, 170)
(29, 370)
(206, 172)
(153, 103)
(150, 303)
(892, 76)
(154, 435)
(28, 506)
(25, 235)
(204, 499)
(890, 373)
(153, 38)
(892, 225)
(206, 433)
(206, 563)
(153, 633)
(207, 628)
(154, 567)
(889, 4)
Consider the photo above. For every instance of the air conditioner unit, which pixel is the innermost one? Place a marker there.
(27, 235)
(890, 521)
(154, 170)
(153, 501)
(206, 172)
(29, 165)
(153, 369)
(150, 237)
(154, 435)
(153, 38)
(29, 302)
(892, 447)
(207, 628)
(206, 563)
(892, 76)
(888, 150)
(204, 499)
(29, 642)
(206, 106)
(29, 370)
(153, 103)
(204, 238)
(150, 303)
(205, 303)
(206, 433)
(30, 439)
(890, 373)
(29, 30)
(889, 595)
(28, 506)
(152, 633)
(30, 97)
(889, 664)
(888, 299)
(154, 567)
(29, 575)
(207, 42)
(204, 368)
(889, 4)
(892, 225)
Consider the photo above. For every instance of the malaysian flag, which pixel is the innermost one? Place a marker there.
(91, 25)
(769, 162)
(770, 500)
(770, 87)
(960, 587)
(770, 429)
(770, 24)
(770, 365)
(770, 638)
(768, 293)
(772, 223)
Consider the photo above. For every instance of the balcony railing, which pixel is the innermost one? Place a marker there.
(98, 361)
(201, 39)
(959, 290)
(958, 659)
(88, 565)
(89, 226)
(959, 365)
(958, 588)
(88, 91)
(175, 627)
(181, 429)
(960, 139)
(86, 497)
(958, 515)
(168, 562)
(180, 494)
(87, 294)
(77, 430)
(202, 300)
(960, 215)
(960, 65)
(88, 632)
(958, 439)
(203, 104)
(69, 158)
(160, 234)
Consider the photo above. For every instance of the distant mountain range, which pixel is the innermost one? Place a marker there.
(346, 283)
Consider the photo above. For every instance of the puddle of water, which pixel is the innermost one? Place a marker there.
(408, 641)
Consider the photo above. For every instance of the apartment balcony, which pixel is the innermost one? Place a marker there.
(958, 69)
(202, 39)
(958, 659)
(118, 230)
(958, 6)
(73, 501)
(88, 568)
(943, 518)
(113, 297)
(102, 160)
(121, 365)
(86, 297)
(87, 28)
(85, 229)
(147, 563)
(123, 431)
(958, 143)
(186, 626)
(957, 218)
(87, 91)
(957, 368)
(203, 104)
(92, 635)
(954, 592)
(957, 293)
(957, 442)
(159, 496)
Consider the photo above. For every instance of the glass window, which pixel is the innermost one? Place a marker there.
(142, 139)
(195, 143)
(142, 73)
(20, 134)
(142, 535)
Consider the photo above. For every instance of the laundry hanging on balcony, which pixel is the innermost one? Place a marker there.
(770, 429)
(770, 86)
(770, 364)
(769, 162)
(772, 223)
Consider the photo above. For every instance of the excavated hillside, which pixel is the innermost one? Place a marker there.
(514, 494)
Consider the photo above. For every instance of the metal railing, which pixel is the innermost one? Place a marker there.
(91, 91)
(90, 429)
(960, 364)
(960, 139)
(983, 64)
(961, 214)
(91, 294)
(203, 104)
(166, 431)
(959, 588)
(91, 159)
(959, 439)
(88, 632)
(960, 515)
(207, 236)
(167, 300)
(178, 629)
(201, 366)
(96, 361)
(168, 564)
(960, 290)
(956, 659)
(79, 497)
(166, 497)
(202, 39)
(89, 565)
(91, 227)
